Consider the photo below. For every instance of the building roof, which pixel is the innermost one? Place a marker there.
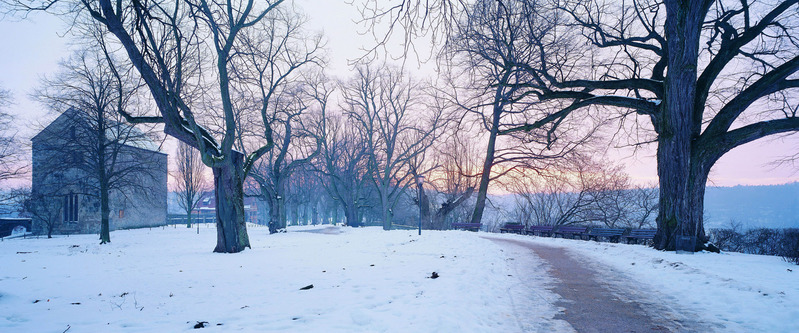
(142, 141)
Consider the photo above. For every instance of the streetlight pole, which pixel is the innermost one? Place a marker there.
(419, 183)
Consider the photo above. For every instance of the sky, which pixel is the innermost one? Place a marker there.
(33, 47)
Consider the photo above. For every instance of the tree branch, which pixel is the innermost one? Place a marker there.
(769, 83)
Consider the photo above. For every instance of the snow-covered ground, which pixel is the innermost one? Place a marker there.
(368, 280)
(167, 280)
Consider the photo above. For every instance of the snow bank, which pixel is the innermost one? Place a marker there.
(167, 280)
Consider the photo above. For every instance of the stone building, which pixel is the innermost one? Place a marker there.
(65, 181)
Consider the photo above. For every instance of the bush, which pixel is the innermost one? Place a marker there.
(775, 242)
(789, 249)
(762, 241)
(726, 239)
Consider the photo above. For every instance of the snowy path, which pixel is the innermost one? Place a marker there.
(588, 305)
(704, 292)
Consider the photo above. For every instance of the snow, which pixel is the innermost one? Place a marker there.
(364, 280)
(729, 292)
(166, 280)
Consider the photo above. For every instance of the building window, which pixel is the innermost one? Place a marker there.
(71, 208)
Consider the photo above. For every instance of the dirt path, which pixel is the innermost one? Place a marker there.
(590, 306)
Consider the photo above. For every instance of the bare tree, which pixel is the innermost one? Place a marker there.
(691, 104)
(281, 63)
(611, 197)
(315, 199)
(344, 166)
(43, 207)
(707, 76)
(98, 142)
(303, 196)
(580, 189)
(616, 203)
(180, 48)
(386, 107)
(11, 161)
(644, 206)
(296, 147)
(189, 177)
(452, 178)
(583, 190)
(489, 52)
(554, 199)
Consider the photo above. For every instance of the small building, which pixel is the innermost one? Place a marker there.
(65, 185)
(205, 210)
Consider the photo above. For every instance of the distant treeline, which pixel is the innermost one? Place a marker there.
(768, 206)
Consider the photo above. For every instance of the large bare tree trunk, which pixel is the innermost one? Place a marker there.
(680, 208)
(231, 227)
(352, 216)
(482, 191)
(277, 213)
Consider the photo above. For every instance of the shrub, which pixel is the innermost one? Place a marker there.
(775, 242)
(789, 249)
(762, 241)
(726, 239)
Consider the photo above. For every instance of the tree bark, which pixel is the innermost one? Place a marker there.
(387, 219)
(424, 208)
(105, 212)
(231, 227)
(335, 214)
(103, 178)
(351, 214)
(315, 213)
(439, 218)
(482, 191)
(680, 210)
(295, 213)
(277, 213)
(386, 211)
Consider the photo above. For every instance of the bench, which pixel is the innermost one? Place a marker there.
(540, 230)
(467, 226)
(636, 234)
(512, 227)
(614, 235)
(571, 231)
